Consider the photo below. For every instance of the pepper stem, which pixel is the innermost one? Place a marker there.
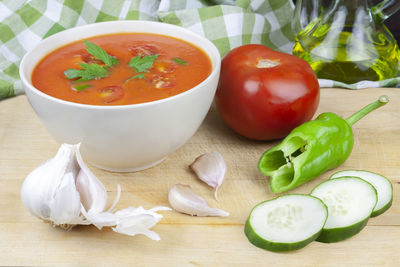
(383, 100)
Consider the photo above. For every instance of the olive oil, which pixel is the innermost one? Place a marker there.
(349, 60)
(346, 40)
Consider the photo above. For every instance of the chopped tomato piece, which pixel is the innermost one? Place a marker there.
(111, 93)
(143, 50)
(90, 59)
(164, 66)
(162, 81)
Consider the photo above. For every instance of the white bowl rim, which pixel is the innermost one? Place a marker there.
(214, 71)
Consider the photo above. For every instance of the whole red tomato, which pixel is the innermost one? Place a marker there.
(263, 94)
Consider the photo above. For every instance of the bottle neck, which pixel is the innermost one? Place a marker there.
(350, 5)
(347, 12)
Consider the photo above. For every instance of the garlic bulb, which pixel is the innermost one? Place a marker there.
(64, 192)
(50, 189)
(183, 199)
(210, 168)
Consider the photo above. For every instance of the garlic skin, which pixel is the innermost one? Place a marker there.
(64, 192)
(211, 169)
(144, 220)
(183, 199)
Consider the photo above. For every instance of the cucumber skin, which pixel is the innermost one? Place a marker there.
(260, 242)
(338, 234)
(384, 208)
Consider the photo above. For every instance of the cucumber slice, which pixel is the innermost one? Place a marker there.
(350, 202)
(286, 223)
(382, 185)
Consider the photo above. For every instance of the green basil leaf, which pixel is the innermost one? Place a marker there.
(98, 52)
(142, 64)
(87, 73)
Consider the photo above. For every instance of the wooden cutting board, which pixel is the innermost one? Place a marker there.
(186, 240)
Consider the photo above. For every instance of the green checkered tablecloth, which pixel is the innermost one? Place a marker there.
(227, 23)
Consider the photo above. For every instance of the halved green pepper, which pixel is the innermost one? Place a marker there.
(311, 149)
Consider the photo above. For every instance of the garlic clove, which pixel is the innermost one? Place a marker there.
(183, 199)
(211, 169)
(83, 188)
(65, 207)
(92, 191)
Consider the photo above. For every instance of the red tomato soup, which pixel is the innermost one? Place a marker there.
(146, 67)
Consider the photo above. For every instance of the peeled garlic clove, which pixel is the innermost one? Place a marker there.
(40, 192)
(210, 168)
(183, 199)
(92, 192)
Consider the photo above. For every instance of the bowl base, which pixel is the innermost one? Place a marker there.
(136, 169)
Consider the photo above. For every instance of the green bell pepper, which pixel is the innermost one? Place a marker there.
(311, 149)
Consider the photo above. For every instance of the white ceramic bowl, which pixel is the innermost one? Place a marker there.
(130, 137)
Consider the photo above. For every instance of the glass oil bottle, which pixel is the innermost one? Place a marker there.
(348, 42)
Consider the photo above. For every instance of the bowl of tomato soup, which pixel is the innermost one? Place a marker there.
(131, 92)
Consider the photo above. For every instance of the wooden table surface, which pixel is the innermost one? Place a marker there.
(194, 241)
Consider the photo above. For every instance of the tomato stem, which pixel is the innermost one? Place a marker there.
(267, 63)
